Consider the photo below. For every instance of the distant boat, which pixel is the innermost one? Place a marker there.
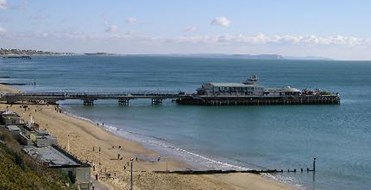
(250, 93)
(18, 57)
(98, 53)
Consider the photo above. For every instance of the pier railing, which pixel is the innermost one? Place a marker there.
(89, 97)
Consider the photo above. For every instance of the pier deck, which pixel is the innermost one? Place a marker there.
(157, 97)
(89, 97)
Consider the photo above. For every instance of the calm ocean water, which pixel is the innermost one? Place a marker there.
(339, 136)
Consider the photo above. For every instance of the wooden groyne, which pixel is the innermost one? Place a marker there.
(202, 172)
(271, 171)
(18, 83)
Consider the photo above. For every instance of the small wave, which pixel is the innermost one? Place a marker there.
(284, 179)
(78, 117)
(168, 149)
(107, 127)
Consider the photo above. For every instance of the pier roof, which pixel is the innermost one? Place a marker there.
(215, 84)
(284, 89)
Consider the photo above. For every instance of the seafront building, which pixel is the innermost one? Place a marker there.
(42, 138)
(56, 158)
(14, 130)
(10, 118)
(43, 147)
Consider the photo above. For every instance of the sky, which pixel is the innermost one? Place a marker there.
(338, 29)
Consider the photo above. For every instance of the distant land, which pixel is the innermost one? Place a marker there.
(240, 56)
(249, 56)
(307, 58)
(19, 52)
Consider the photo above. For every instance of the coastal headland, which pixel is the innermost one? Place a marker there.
(110, 155)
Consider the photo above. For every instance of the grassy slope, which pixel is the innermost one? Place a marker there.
(18, 171)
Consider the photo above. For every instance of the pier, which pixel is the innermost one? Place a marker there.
(157, 97)
(88, 98)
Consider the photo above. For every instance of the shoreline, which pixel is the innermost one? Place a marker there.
(162, 147)
(82, 136)
(111, 129)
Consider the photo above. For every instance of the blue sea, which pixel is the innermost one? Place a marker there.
(225, 137)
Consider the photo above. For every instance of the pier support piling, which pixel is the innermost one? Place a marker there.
(156, 101)
(124, 102)
(88, 102)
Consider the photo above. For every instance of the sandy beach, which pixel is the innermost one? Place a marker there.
(110, 155)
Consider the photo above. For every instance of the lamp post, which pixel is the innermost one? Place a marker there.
(68, 142)
(99, 156)
(131, 173)
(167, 169)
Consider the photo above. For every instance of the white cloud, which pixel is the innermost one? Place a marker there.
(131, 20)
(2, 31)
(112, 29)
(337, 46)
(195, 39)
(286, 39)
(221, 21)
(190, 29)
(260, 38)
(3, 4)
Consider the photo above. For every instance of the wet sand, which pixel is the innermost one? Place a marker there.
(110, 155)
